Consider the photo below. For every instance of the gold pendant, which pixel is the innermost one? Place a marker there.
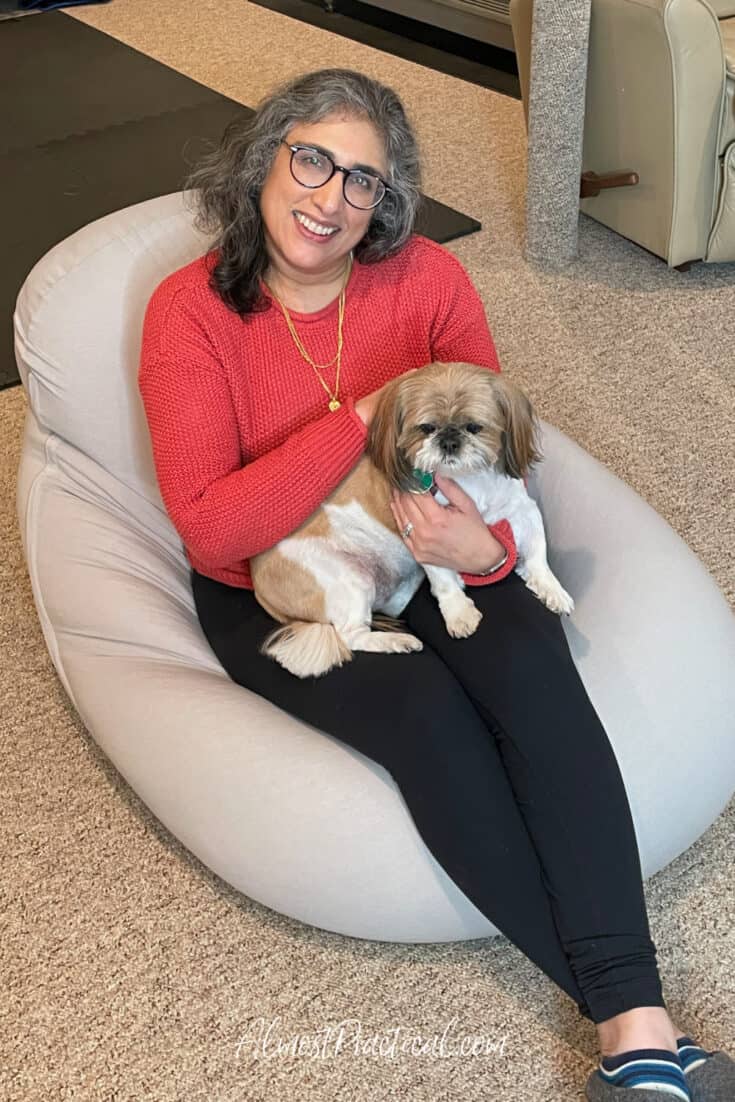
(334, 404)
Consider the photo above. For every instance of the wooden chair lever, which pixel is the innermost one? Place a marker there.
(591, 184)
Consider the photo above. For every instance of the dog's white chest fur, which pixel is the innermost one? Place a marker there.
(497, 497)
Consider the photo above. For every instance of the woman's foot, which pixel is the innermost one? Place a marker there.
(640, 1057)
(705, 1076)
(643, 1027)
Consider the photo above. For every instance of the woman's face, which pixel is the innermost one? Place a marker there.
(291, 246)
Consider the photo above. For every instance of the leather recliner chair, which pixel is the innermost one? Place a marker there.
(660, 103)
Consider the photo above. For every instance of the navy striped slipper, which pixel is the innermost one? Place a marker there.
(712, 1081)
(599, 1090)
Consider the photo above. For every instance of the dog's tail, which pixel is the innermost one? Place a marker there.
(306, 648)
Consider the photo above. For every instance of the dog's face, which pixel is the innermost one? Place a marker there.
(455, 418)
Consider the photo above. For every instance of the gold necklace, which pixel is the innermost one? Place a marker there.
(334, 402)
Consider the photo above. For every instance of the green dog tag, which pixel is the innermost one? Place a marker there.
(425, 480)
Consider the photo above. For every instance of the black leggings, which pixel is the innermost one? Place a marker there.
(504, 766)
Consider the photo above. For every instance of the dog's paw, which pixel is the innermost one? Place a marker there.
(401, 643)
(551, 592)
(561, 602)
(462, 620)
(386, 642)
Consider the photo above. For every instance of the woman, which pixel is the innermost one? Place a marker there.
(260, 369)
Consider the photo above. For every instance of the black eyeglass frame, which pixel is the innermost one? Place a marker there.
(346, 172)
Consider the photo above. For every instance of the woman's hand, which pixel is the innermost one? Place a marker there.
(453, 535)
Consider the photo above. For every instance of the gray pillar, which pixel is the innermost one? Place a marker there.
(559, 42)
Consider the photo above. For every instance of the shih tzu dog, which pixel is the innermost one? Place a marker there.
(346, 561)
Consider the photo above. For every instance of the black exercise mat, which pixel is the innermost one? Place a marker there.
(107, 127)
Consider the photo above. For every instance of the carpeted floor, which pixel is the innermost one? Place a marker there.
(130, 971)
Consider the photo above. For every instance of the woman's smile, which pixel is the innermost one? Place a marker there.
(313, 229)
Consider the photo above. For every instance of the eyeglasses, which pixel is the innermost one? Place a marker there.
(311, 168)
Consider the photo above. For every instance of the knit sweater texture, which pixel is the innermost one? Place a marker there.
(244, 446)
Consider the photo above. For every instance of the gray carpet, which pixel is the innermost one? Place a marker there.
(130, 971)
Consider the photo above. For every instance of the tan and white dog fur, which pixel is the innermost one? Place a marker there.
(346, 561)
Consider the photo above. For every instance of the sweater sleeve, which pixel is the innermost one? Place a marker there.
(503, 534)
(461, 334)
(226, 511)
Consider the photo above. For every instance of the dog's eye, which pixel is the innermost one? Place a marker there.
(473, 427)
(427, 428)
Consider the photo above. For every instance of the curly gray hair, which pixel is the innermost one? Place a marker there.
(225, 185)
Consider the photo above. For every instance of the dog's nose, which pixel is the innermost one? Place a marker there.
(450, 441)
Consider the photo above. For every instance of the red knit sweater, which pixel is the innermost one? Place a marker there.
(244, 446)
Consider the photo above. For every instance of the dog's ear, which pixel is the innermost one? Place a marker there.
(520, 447)
(383, 433)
